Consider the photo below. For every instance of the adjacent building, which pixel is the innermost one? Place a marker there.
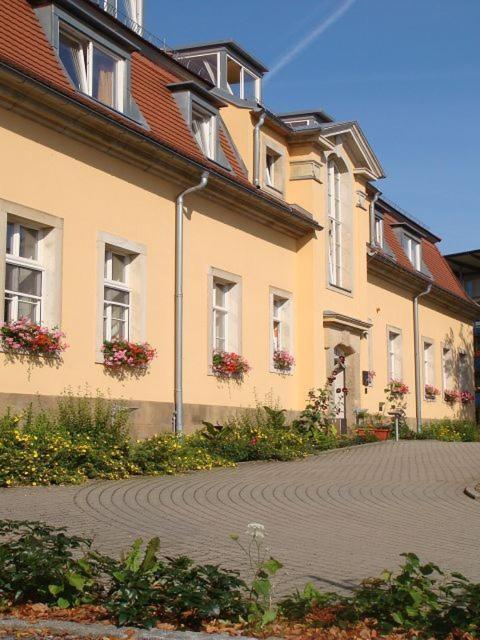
(287, 244)
(466, 266)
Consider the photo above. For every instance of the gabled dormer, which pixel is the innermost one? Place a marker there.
(93, 50)
(235, 74)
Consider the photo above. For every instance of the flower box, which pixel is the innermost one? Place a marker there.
(466, 397)
(24, 337)
(380, 433)
(229, 366)
(283, 361)
(127, 355)
(431, 392)
(451, 396)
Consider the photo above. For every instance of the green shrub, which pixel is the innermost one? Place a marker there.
(301, 603)
(259, 434)
(37, 564)
(144, 588)
(168, 454)
(450, 431)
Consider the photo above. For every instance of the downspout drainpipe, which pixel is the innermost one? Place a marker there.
(178, 412)
(373, 242)
(416, 337)
(256, 149)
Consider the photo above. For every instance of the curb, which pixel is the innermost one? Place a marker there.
(101, 630)
(471, 493)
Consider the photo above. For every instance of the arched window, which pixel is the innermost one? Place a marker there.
(335, 231)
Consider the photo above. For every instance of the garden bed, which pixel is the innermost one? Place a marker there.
(49, 580)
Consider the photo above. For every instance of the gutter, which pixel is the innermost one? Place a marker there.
(178, 390)
(256, 149)
(416, 337)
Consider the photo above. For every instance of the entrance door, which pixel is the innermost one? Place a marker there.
(339, 393)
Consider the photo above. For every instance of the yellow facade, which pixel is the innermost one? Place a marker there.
(93, 191)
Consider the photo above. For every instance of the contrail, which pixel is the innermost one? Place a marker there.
(313, 35)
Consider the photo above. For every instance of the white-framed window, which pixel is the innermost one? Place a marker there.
(224, 312)
(221, 292)
(204, 130)
(93, 68)
(132, 9)
(463, 372)
(271, 169)
(204, 65)
(23, 273)
(428, 364)
(116, 303)
(413, 250)
(334, 224)
(379, 231)
(281, 333)
(448, 373)
(121, 311)
(241, 83)
(394, 354)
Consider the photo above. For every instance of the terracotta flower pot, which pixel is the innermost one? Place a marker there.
(381, 433)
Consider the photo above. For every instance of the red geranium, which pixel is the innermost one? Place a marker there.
(229, 366)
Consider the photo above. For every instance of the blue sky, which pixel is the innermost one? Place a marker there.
(407, 70)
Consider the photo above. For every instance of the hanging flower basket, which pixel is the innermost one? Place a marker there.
(229, 366)
(451, 396)
(466, 397)
(24, 337)
(431, 392)
(127, 355)
(283, 361)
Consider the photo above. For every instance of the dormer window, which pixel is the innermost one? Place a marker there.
(240, 82)
(234, 72)
(203, 126)
(413, 250)
(92, 68)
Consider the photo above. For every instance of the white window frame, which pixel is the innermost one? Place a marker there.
(86, 67)
(243, 70)
(16, 260)
(379, 231)
(464, 382)
(49, 257)
(335, 239)
(428, 362)
(220, 311)
(271, 158)
(109, 283)
(394, 356)
(285, 318)
(206, 135)
(134, 9)
(136, 284)
(448, 380)
(206, 65)
(413, 248)
(233, 329)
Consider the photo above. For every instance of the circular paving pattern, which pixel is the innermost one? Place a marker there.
(334, 518)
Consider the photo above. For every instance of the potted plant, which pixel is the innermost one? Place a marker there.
(431, 392)
(122, 354)
(466, 397)
(283, 361)
(451, 396)
(24, 337)
(229, 366)
(377, 427)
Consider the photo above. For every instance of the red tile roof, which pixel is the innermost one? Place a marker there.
(439, 268)
(25, 46)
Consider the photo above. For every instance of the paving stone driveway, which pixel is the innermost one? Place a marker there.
(335, 518)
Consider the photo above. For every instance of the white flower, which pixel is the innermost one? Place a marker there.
(257, 531)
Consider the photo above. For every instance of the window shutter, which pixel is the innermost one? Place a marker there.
(287, 322)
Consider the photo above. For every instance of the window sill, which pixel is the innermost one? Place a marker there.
(339, 289)
(277, 372)
(274, 191)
